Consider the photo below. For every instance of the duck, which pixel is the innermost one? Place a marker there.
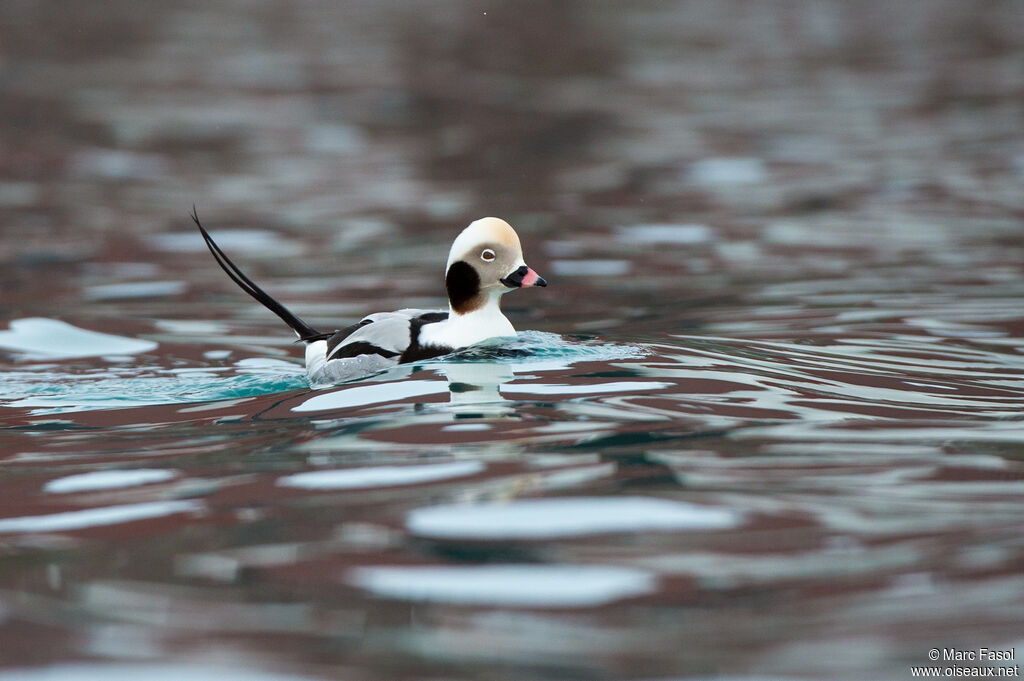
(485, 262)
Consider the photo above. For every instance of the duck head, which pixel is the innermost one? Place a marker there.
(485, 262)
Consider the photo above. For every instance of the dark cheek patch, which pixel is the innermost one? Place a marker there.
(463, 284)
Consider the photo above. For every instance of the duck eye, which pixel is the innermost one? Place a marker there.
(487, 255)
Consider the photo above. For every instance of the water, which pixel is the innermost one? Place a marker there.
(765, 422)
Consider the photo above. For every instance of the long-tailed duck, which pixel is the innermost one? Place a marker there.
(485, 262)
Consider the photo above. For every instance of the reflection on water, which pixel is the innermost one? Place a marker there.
(95, 517)
(152, 672)
(767, 423)
(858, 478)
(54, 339)
(552, 518)
(538, 586)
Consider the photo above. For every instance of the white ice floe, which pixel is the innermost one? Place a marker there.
(381, 476)
(573, 516)
(552, 586)
(112, 479)
(150, 672)
(374, 393)
(54, 339)
(96, 517)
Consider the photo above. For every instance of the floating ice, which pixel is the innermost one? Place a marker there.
(96, 517)
(113, 479)
(553, 586)
(376, 393)
(54, 339)
(380, 476)
(149, 672)
(549, 518)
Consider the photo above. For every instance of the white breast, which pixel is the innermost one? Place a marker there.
(460, 331)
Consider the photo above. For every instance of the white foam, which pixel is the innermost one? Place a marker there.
(112, 479)
(549, 518)
(380, 476)
(149, 672)
(375, 393)
(506, 585)
(54, 339)
(96, 517)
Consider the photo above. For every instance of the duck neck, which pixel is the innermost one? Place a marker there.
(479, 324)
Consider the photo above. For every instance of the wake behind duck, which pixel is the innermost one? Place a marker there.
(484, 262)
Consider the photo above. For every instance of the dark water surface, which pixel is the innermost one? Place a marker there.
(766, 423)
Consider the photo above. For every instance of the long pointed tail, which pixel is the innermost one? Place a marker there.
(304, 330)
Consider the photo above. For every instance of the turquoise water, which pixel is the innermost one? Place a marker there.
(123, 381)
(46, 389)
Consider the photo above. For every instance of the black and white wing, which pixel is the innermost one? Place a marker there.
(386, 334)
(376, 342)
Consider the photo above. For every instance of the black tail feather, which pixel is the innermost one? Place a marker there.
(305, 331)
